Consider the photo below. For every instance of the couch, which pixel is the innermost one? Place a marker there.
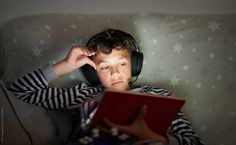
(194, 56)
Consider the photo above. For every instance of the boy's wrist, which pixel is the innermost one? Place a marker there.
(61, 68)
(155, 136)
(48, 72)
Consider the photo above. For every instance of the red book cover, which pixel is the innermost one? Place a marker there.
(122, 107)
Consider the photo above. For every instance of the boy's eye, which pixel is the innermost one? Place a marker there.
(104, 67)
(123, 64)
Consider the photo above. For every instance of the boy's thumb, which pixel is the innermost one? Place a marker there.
(91, 63)
(142, 112)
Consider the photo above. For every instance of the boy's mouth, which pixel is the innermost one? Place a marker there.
(113, 83)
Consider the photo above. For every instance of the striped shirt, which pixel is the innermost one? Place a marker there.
(33, 88)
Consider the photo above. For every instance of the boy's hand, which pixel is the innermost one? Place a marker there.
(138, 128)
(77, 57)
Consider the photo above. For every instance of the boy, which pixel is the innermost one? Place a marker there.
(109, 53)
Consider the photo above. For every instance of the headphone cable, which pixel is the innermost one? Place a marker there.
(14, 112)
(133, 81)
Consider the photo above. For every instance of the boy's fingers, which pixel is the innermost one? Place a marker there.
(111, 124)
(143, 109)
(89, 53)
(91, 63)
(84, 50)
(141, 113)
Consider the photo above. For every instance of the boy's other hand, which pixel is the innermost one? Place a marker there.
(138, 128)
(77, 57)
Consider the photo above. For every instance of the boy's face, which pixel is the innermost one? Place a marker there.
(114, 69)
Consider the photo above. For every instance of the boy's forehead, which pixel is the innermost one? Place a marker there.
(115, 54)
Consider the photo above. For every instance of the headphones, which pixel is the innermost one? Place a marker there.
(136, 63)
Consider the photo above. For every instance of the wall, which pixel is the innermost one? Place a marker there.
(13, 8)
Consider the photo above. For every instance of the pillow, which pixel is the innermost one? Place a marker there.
(37, 123)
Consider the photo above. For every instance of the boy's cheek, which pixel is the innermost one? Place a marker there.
(103, 77)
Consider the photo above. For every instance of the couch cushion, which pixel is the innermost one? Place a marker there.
(35, 120)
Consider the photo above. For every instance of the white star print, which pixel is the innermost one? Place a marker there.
(183, 21)
(185, 67)
(210, 110)
(211, 55)
(80, 18)
(47, 27)
(144, 61)
(199, 85)
(203, 128)
(177, 47)
(77, 41)
(230, 58)
(214, 26)
(73, 26)
(41, 41)
(186, 82)
(37, 51)
(232, 113)
(174, 81)
(154, 41)
(219, 77)
(124, 136)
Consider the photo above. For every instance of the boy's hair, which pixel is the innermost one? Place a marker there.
(110, 39)
(105, 42)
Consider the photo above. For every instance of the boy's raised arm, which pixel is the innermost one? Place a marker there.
(33, 87)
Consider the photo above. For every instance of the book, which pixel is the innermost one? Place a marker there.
(122, 108)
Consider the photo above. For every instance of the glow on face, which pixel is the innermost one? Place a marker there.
(114, 69)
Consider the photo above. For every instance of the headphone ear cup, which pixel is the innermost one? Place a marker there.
(90, 74)
(136, 62)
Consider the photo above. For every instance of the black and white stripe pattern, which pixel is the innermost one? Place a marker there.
(183, 131)
(33, 88)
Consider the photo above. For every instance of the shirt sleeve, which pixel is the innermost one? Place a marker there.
(33, 88)
(181, 131)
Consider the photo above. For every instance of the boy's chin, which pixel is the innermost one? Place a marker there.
(119, 88)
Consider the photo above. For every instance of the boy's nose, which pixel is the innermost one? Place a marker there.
(114, 71)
